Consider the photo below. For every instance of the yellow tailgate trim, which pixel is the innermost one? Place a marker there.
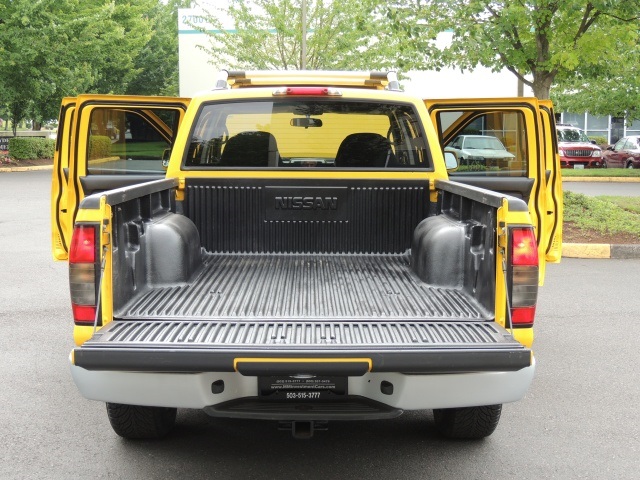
(236, 361)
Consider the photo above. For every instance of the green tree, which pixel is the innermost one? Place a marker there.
(542, 42)
(157, 62)
(267, 34)
(610, 89)
(54, 48)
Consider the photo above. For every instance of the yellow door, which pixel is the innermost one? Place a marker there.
(554, 202)
(505, 145)
(60, 218)
(105, 142)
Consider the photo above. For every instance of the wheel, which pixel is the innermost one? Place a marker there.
(136, 422)
(630, 165)
(467, 422)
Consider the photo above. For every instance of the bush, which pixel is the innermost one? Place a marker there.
(598, 139)
(29, 148)
(99, 147)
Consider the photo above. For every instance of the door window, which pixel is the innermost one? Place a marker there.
(130, 141)
(620, 144)
(487, 143)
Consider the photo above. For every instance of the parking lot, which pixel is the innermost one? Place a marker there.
(579, 420)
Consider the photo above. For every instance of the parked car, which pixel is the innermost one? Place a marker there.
(480, 150)
(576, 150)
(624, 154)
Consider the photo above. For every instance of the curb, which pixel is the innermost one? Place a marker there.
(26, 169)
(600, 250)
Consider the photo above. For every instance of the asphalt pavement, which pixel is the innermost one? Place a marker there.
(578, 420)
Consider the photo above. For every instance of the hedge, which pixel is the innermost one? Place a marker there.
(99, 147)
(600, 140)
(29, 148)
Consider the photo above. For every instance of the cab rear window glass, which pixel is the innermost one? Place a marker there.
(307, 133)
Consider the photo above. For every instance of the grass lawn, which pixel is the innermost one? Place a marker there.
(605, 214)
(601, 172)
(141, 150)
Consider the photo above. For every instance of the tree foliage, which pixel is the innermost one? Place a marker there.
(157, 62)
(542, 42)
(55, 48)
(267, 34)
(612, 88)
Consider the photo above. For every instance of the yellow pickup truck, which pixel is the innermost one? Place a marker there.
(304, 247)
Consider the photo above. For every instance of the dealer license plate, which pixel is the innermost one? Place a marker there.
(301, 388)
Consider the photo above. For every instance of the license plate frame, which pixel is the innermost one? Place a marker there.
(302, 388)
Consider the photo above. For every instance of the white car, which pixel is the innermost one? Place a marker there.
(477, 149)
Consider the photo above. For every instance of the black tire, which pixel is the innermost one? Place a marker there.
(630, 165)
(467, 422)
(136, 422)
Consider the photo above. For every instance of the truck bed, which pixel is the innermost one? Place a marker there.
(210, 292)
(301, 286)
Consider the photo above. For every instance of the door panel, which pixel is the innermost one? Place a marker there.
(553, 184)
(111, 141)
(60, 216)
(509, 153)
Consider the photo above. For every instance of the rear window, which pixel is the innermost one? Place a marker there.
(307, 133)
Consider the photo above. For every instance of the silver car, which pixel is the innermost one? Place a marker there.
(475, 150)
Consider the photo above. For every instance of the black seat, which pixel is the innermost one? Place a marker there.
(364, 150)
(250, 149)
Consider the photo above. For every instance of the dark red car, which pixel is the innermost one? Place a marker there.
(624, 154)
(576, 150)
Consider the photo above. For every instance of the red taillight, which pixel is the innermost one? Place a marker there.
(524, 248)
(83, 313)
(523, 315)
(523, 276)
(83, 245)
(83, 271)
(320, 91)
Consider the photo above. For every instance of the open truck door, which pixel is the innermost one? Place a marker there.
(507, 145)
(553, 176)
(60, 228)
(106, 142)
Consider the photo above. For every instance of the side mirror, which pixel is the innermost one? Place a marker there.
(450, 160)
(166, 154)
(610, 147)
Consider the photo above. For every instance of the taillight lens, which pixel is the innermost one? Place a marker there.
(83, 244)
(523, 276)
(83, 273)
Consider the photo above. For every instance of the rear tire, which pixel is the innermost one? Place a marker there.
(467, 422)
(137, 422)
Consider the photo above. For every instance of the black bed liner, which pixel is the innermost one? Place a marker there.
(371, 312)
(248, 347)
(296, 286)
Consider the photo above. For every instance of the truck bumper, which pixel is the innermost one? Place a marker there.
(409, 392)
